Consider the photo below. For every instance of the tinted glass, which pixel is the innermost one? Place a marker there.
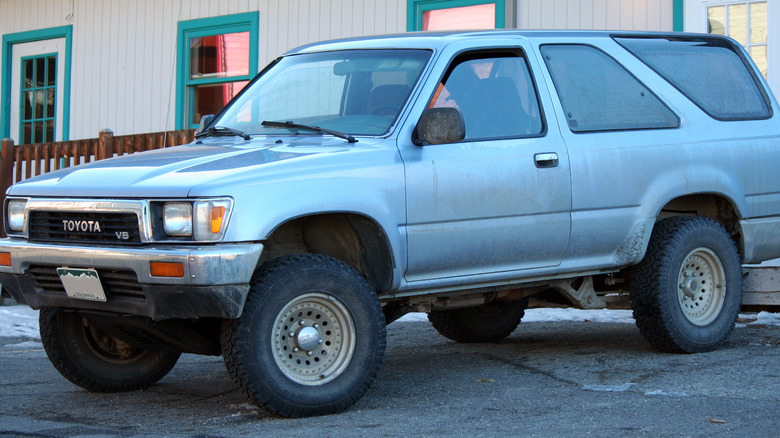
(710, 72)
(598, 94)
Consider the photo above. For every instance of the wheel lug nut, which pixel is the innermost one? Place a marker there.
(309, 353)
(296, 349)
(301, 322)
(291, 334)
(316, 326)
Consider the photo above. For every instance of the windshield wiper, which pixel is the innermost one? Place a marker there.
(222, 130)
(292, 125)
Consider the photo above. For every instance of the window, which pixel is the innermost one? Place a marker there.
(357, 92)
(494, 93)
(746, 22)
(455, 14)
(38, 99)
(598, 94)
(217, 58)
(709, 71)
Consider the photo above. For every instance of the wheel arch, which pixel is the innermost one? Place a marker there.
(715, 206)
(355, 239)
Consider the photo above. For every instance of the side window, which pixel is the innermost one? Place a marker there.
(598, 94)
(708, 71)
(495, 93)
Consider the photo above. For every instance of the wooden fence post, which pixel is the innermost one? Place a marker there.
(105, 144)
(6, 171)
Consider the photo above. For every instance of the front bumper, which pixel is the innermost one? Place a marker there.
(215, 282)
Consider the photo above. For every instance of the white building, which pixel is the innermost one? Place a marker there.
(73, 67)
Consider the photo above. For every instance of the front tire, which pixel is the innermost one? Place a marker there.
(97, 361)
(486, 323)
(686, 292)
(311, 338)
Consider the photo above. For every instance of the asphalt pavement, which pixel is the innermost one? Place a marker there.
(547, 379)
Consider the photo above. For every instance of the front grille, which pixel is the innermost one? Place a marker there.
(115, 283)
(85, 227)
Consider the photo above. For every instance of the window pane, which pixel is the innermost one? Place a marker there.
(50, 104)
(219, 56)
(49, 131)
(51, 67)
(495, 95)
(716, 20)
(27, 69)
(738, 23)
(209, 99)
(37, 132)
(707, 71)
(598, 94)
(758, 53)
(27, 105)
(466, 17)
(40, 72)
(26, 133)
(758, 23)
(40, 101)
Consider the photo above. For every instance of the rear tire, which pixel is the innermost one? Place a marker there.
(486, 323)
(97, 361)
(687, 291)
(311, 338)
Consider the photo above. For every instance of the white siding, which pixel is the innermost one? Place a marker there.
(124, 51)
(595, 14)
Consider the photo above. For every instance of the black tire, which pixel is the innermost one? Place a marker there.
(97, 361)
(486, 323)
(686, 292)
(311, 339)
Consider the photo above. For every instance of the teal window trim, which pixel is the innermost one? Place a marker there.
(201, 27)
(25, 37)
(34, 88)
(416, 8)
(678, 16)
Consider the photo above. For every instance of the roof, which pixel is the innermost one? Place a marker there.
(434, 40)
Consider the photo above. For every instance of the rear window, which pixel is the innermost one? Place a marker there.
(598, 94)
(712, 72)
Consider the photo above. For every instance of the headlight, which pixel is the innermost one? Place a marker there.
(16, 214)
(177, 218)
(203, 220)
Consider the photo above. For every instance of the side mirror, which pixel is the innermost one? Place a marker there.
(440, 126)
(205, 121)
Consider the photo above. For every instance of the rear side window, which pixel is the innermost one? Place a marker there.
(711, 72)
(598, 94)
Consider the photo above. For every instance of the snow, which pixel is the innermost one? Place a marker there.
(22, 322)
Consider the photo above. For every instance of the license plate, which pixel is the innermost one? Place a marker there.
(82, 284)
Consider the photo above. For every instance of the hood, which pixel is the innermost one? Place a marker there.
(177, 171)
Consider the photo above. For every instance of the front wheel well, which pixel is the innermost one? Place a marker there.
(354, 239)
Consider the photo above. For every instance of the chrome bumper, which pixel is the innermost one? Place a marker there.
(215, 282)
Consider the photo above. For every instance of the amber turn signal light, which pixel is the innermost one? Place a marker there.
(166, 269)
(5, 259)
(217, 214)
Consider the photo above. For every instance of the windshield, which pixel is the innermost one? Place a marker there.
(358, 92)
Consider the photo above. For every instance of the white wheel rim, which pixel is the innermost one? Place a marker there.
(701, 286)
(313, 339)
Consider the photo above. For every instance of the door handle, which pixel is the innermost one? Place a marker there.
(546, 159)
